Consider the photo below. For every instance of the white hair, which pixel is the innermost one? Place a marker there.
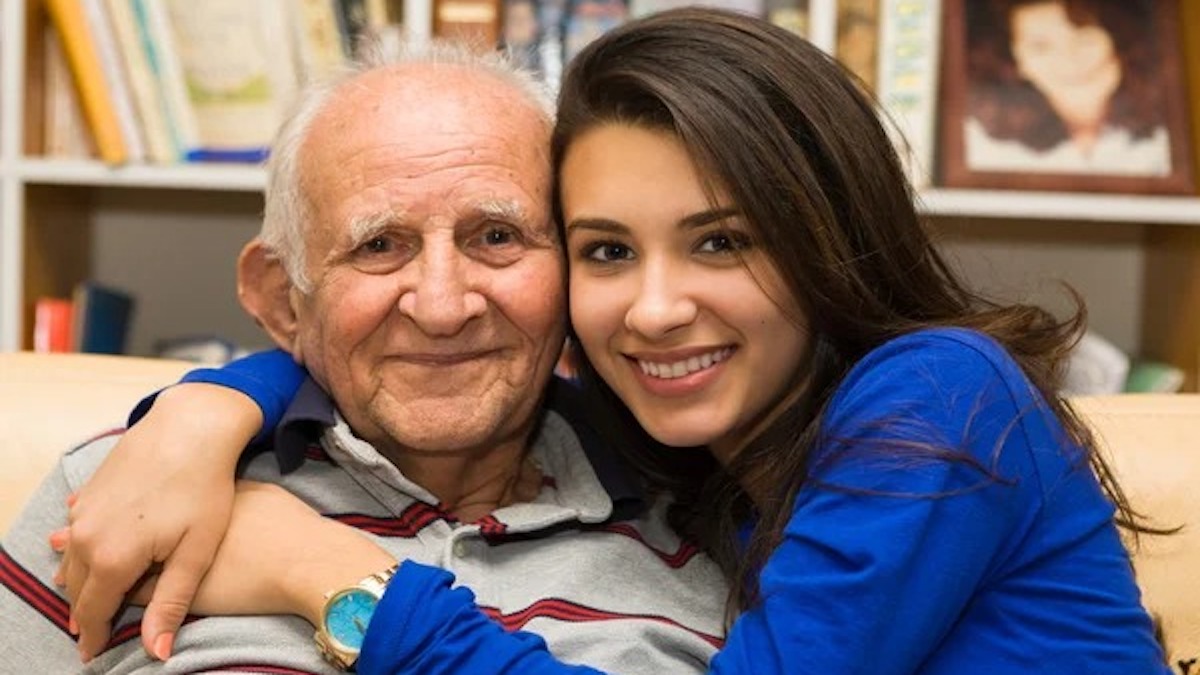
(287, 209)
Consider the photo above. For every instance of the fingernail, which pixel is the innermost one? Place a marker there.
(84, 656)
(72, 627)
(58, 540)
(162, 646)
(71, 499)
(58, 579)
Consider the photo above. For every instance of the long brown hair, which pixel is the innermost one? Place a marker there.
(789, 137)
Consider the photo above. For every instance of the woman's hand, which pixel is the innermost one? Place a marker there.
(163, 495)
(279, 556)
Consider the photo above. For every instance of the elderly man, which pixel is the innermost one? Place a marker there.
(408, 259)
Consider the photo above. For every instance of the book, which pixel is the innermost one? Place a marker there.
(316, 38)
(147, 97)
(52, 319)
(858, 38)
(472, 22)
(120, 91)
(790, 14)
(215, 65)
(158, 43)
(907, 88)
(83, 58)
(101, 318)
(64, 130)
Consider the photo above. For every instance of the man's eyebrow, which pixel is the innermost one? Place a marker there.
(699, 219)
(503, 209)
(370, 226)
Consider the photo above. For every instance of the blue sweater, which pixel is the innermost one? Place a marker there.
(1001, 559)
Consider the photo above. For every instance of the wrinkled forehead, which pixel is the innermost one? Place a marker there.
(428, 110)
(438, 130)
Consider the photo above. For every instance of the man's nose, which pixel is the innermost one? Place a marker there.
(443, 299)
(661, 305)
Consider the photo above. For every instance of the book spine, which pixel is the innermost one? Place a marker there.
(317, 39)
(909, 61)
(159, 42)
(119, 89)
(160, 146)
(98, 108)
(52, 325)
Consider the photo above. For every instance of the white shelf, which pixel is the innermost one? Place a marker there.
(229, 177)
(1085, 207)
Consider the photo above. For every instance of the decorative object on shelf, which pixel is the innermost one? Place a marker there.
(1081, 96)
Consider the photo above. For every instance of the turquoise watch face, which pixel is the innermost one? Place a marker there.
(347, 617)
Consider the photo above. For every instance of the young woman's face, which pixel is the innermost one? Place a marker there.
(679, 312)
(1055, 54)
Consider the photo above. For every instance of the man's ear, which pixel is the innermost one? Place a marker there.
(265, 292)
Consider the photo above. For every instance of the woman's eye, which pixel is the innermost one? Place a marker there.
(724, 242)
(608, 252)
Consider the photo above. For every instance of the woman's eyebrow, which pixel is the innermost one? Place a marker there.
(708, 217)
(598, 224)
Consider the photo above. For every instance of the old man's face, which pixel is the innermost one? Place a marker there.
(438, 303)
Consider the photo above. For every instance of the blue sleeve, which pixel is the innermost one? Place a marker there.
(424, 627)
(885, 548)
(271, 378)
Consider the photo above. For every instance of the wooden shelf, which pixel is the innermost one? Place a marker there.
(230, 177)
(1082, 207)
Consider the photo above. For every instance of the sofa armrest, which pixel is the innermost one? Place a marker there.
(1153, 444)
(51, 402)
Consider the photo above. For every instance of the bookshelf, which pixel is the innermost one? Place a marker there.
(169, 234)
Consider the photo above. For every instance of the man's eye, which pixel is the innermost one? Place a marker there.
(381, 254)
(607, 252)
(724, 242)
(499, 236)
(376, 245)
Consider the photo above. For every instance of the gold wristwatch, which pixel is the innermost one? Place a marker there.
(345, 617)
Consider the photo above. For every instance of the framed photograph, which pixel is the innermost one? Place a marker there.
(1085, 95)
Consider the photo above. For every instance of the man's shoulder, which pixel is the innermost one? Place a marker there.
(81, 461)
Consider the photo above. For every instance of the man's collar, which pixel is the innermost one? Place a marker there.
(312, 412)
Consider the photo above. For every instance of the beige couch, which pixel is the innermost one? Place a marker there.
(47, 403)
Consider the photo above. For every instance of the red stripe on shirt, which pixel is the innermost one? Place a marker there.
(675, 560)
(26, 586)
(415, 518)
(573, 612)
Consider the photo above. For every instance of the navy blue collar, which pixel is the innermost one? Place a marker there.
(312, 411)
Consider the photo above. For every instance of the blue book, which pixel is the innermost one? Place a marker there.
(102, 316)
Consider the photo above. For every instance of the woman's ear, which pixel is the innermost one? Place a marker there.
(266, 291)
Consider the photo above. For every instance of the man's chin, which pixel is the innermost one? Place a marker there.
(451, 424)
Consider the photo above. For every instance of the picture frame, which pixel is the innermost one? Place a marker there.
(1032, 98)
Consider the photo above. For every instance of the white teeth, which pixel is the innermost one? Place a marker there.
(670, 371)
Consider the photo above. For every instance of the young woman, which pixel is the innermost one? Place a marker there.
(896, 486)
